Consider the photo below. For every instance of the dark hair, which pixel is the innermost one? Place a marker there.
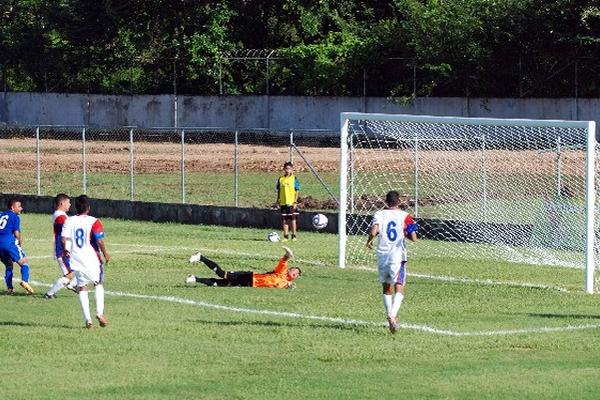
(59, 199)
(11, 201)
(299, 270)
(82, 204)
(288, 164)
(392, 198)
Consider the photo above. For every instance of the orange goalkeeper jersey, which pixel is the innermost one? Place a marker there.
(276, 279)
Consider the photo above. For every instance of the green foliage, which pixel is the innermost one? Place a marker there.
(326, 47)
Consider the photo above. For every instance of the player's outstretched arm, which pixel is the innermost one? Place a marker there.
(104, 251)
(373, 231)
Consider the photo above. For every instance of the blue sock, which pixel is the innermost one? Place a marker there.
(25, 272)
(8, 275)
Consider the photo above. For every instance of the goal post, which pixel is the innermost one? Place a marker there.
(519, 190)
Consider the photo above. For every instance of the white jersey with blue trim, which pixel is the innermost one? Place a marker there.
(392, 227)
(82, 233)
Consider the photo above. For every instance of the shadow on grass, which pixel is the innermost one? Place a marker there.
(21, 294)
(275, 324)
(37, 325)
(570, 316)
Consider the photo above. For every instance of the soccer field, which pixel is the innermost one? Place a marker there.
(471, 329)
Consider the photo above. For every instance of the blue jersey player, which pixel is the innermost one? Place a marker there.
(10, 246)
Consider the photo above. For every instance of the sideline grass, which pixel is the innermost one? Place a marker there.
(256, 189)
(161, 350)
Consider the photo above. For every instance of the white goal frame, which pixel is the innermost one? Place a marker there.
(589, 126)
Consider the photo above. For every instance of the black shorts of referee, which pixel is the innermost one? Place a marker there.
(289, 212)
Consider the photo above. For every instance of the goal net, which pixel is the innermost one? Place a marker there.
(506, 189)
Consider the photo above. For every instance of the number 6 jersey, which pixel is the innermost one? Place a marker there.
(392, 233)
(82, 233)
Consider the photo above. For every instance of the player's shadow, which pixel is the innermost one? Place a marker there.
(563, 316)
(19, 294)
(274, 324)
(36, 325)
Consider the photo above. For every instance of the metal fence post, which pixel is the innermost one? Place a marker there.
(291, 156)
(558, 167)
(183, 166)
(131, 165)
(84, 160)
(416, 175)
(38, 168)
(350, 192)
(483, 180)
(236, 155)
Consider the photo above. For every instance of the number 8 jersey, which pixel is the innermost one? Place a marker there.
(82, 233)
(391, 245)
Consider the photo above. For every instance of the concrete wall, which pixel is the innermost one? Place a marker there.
(274, 112)
(178, 213)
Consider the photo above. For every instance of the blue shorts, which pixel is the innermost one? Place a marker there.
(10, 252)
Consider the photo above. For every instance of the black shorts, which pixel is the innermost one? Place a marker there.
(240, 278)
(289, 212)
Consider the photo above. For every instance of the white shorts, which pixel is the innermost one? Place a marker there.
(391, 272)
(86, 277)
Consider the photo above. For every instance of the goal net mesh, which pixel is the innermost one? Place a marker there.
(507, 192)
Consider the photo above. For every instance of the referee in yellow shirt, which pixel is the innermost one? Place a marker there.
(288, 189)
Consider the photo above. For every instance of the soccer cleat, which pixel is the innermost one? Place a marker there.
(393, 324)
(294, 239)
(27, 287)
(285, 239)
(10, 292)
(49, 296)
(88, 325)
(289, 254)
(72, 285)
(190, 279)
(102, 320)
(196, 257)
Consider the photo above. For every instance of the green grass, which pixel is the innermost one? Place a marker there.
(255, 189)
(164, 350)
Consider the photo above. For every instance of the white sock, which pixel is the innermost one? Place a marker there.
(99, 296)
(398, 297)
(84, 300)
(387, 303)
(59, 284)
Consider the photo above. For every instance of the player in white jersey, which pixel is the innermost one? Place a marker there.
(393, 226)
(62, 204)
(83, 240)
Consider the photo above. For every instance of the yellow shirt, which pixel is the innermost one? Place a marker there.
(287, 187)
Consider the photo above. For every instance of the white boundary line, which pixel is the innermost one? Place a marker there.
(443, 278)
(344, 321)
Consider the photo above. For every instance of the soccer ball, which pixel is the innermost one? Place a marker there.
(273, 237)
(319, 221)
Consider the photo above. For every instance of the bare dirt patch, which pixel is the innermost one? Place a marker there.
(156, 157)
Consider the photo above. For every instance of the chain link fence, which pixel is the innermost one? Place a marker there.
(209, 166)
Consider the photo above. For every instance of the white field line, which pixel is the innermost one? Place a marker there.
(454, 279)
(443, 278)
(345, 321)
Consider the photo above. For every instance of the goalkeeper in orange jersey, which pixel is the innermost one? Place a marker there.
(281, 277)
